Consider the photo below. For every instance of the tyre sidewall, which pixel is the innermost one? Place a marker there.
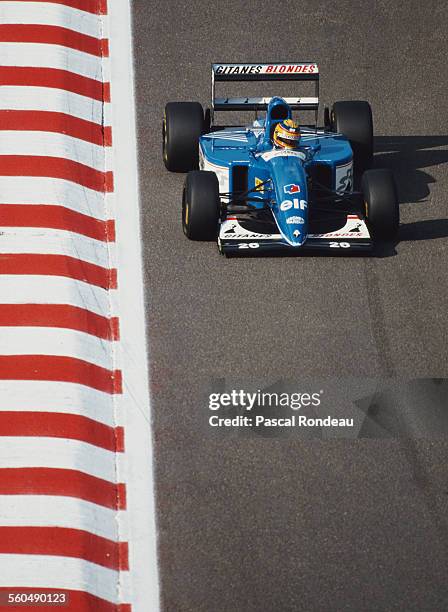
(201, 206)
(183, 124)
(354, 120)
(381, 204)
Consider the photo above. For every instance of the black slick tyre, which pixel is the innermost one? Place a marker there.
(381, 204)
(354, 120)
(201, 205)
(183, 124)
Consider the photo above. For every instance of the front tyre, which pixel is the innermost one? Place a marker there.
(354, 120)
(201, 206)
(381, 204)
(183, 124)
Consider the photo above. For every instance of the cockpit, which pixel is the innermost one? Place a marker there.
(278, 110)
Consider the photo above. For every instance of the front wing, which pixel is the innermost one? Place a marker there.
(236, 239)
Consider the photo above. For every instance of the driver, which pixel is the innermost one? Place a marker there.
(286, 134)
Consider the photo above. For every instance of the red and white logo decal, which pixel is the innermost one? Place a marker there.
(291, 188)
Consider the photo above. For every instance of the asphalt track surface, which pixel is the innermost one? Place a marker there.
(267, 525)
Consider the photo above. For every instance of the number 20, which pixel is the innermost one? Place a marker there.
(249, 245)
(337, 245)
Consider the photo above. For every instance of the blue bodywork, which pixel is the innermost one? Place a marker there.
(278, 177)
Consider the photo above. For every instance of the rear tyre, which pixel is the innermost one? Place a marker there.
(354, 121)
(381, 204)
(201, 205)
(183, 123)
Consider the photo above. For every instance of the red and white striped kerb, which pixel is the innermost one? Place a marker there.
(62, 445)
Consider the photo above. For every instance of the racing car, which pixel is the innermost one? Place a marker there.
(252, 196)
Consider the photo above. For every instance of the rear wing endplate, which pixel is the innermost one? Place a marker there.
(298, 71)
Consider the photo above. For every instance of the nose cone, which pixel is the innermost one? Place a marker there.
(291, 216)
(291, 207)
(294, 228)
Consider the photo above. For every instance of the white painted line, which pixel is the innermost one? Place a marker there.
(54, 290)
(52, 144)
(43, 13)
(61, 397)
(36, 190)
(56, 573)
(51, 100)
(29, 452)
(58, 511)
(36, 55)
(56, 341)
(138, 460)
(33, 240)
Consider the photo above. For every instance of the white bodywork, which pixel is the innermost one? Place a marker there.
(222, 172)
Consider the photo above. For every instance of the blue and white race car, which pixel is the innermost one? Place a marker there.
(251, 194)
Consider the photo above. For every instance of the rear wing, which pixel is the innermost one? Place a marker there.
(303, 71)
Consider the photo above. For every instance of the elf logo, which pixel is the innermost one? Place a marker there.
(295, 203)
(292, 188)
